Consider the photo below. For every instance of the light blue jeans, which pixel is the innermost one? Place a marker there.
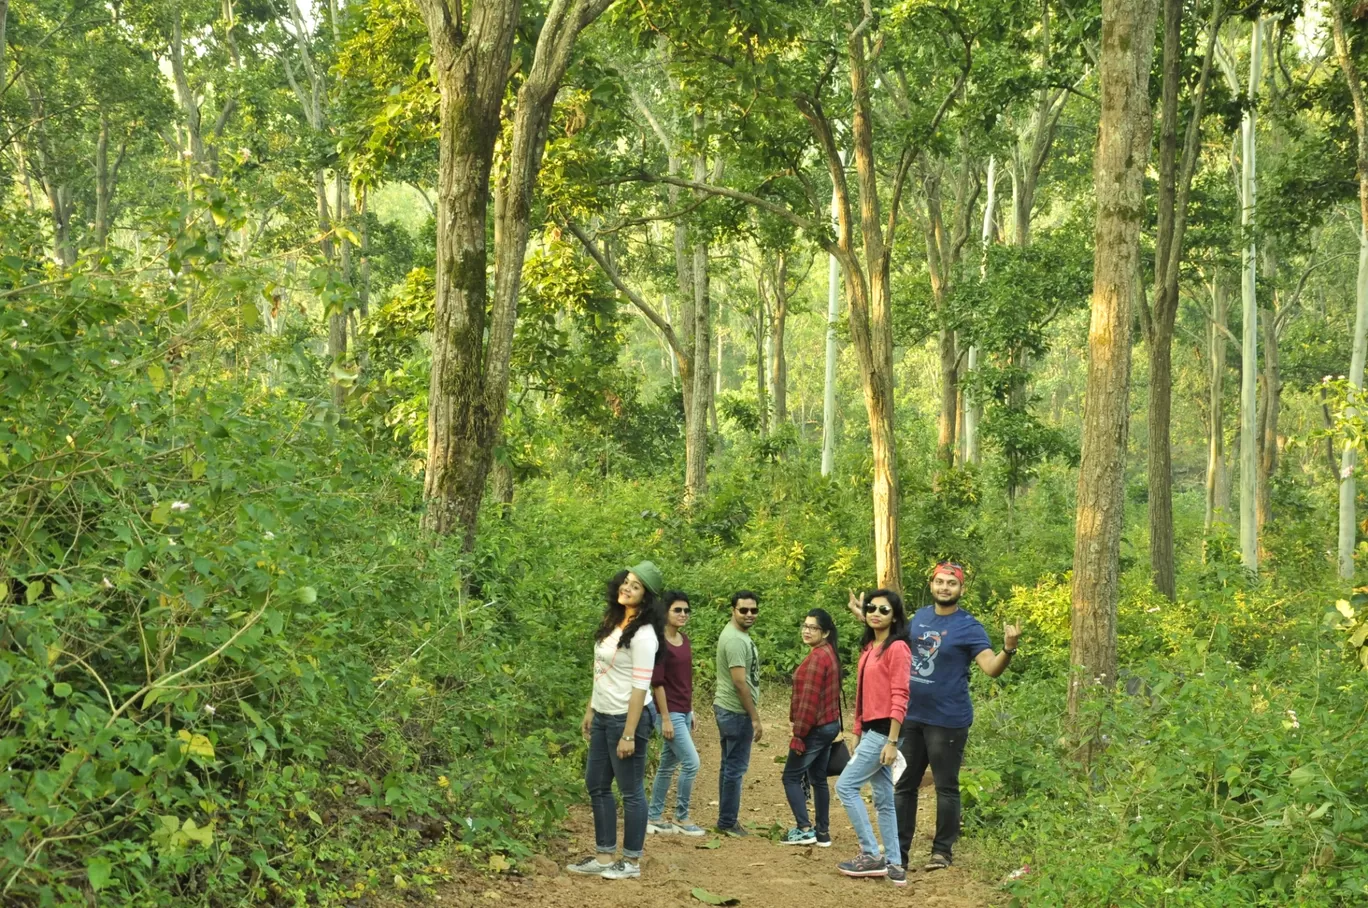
(864, 767)
(679, 753)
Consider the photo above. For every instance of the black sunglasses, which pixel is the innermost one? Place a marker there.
(749, 611)
(683, 610)
(881, 609)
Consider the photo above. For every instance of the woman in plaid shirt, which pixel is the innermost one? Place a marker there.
(814, 715)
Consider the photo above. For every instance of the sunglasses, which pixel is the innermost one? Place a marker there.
(680, 611)
(870, 607)
(749, 611)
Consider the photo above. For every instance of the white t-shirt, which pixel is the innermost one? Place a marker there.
(620, 670)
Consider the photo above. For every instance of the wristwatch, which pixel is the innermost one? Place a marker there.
(1010, 652)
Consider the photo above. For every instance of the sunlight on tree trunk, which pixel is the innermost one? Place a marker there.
(1249, 450)
(1123, 147)
(1347, 542)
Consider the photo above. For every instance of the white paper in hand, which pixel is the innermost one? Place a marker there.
(899, 764)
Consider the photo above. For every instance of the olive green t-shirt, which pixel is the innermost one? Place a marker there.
(735, 648)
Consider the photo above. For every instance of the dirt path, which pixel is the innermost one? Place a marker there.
(758, 872)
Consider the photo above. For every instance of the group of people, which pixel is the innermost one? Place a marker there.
(911, 696)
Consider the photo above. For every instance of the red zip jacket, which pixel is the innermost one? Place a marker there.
(816, 694)
(882, 683)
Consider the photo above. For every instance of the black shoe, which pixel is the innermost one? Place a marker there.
(737, 832)
(823, 840)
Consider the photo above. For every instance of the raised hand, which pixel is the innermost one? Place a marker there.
(856, 606)
(1011, 633)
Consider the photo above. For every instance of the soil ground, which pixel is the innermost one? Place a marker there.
(756, 871)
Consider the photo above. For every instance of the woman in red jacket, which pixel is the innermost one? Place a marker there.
(880, 704)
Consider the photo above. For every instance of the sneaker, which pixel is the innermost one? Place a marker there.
(798, 836)
(897, 875)
(864, 865)
(660, 827)
(622, 870)
(823, 840)
(688, 828)
(737, 832)
(590, 866)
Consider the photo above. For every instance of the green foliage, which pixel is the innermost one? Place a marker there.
(1216, 783)
(231, 671)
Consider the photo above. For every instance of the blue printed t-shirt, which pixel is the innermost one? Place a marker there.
(943, 646)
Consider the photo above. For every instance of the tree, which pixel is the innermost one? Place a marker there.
(469, 385)
(1349, 67)
(1123, 149)
(1175, 184)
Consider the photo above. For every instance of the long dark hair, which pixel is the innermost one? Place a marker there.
(648, 614)
(829, 626)
(897, 630)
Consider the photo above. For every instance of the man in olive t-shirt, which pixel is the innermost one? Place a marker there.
(736, 705)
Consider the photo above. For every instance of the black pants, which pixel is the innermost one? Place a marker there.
(943, 750)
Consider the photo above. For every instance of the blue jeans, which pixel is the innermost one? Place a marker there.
(735, 732)
(812, 762)
(679, 753)
(601, 768)
(864, 767)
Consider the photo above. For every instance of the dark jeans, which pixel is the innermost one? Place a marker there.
(735, 732)
(602, 767)
(943, 750)
(811, 763)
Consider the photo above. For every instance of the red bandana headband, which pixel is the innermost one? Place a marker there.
(949, 567)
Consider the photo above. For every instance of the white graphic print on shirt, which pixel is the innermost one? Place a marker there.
(924, 650)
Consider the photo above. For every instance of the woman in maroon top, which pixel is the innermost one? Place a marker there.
(815, 721)
(672, 688)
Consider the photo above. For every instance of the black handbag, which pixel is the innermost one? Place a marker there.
(840, 753)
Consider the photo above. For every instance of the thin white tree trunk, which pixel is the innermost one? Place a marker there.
(973, 409)
(829, 392)
(1249, 448)
(1348, 488)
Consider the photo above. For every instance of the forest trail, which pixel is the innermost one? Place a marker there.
(756, 871)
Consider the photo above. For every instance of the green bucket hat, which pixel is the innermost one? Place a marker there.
(650, 575)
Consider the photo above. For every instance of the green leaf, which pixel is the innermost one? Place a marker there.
(711, 843)
(712, 898)
(98, 871)
(307, 595)
(35, 589)
(161, 514)
(61, 689)
(157, 376)
(251, 316)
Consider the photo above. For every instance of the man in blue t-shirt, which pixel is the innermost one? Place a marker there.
(944, 639)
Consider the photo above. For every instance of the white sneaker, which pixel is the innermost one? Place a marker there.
(661, 827)
(622, 870)
(590, 866)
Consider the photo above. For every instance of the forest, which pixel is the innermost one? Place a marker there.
(347, 349)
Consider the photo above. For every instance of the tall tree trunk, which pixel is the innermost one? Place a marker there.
(833, 320)
(1269, 408)
(761, 338)
(471, 74)
(973, 407)
(1123, 147)
(102, 182)
(696, 448)
(469, 385)
(1249, 446)
(778, 360)
(1175, 183)
(1348, 485)
(1216, 479)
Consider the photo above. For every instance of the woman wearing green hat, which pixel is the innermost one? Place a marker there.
(617, 727)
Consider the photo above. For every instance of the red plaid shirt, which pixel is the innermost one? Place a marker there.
(816, 693)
